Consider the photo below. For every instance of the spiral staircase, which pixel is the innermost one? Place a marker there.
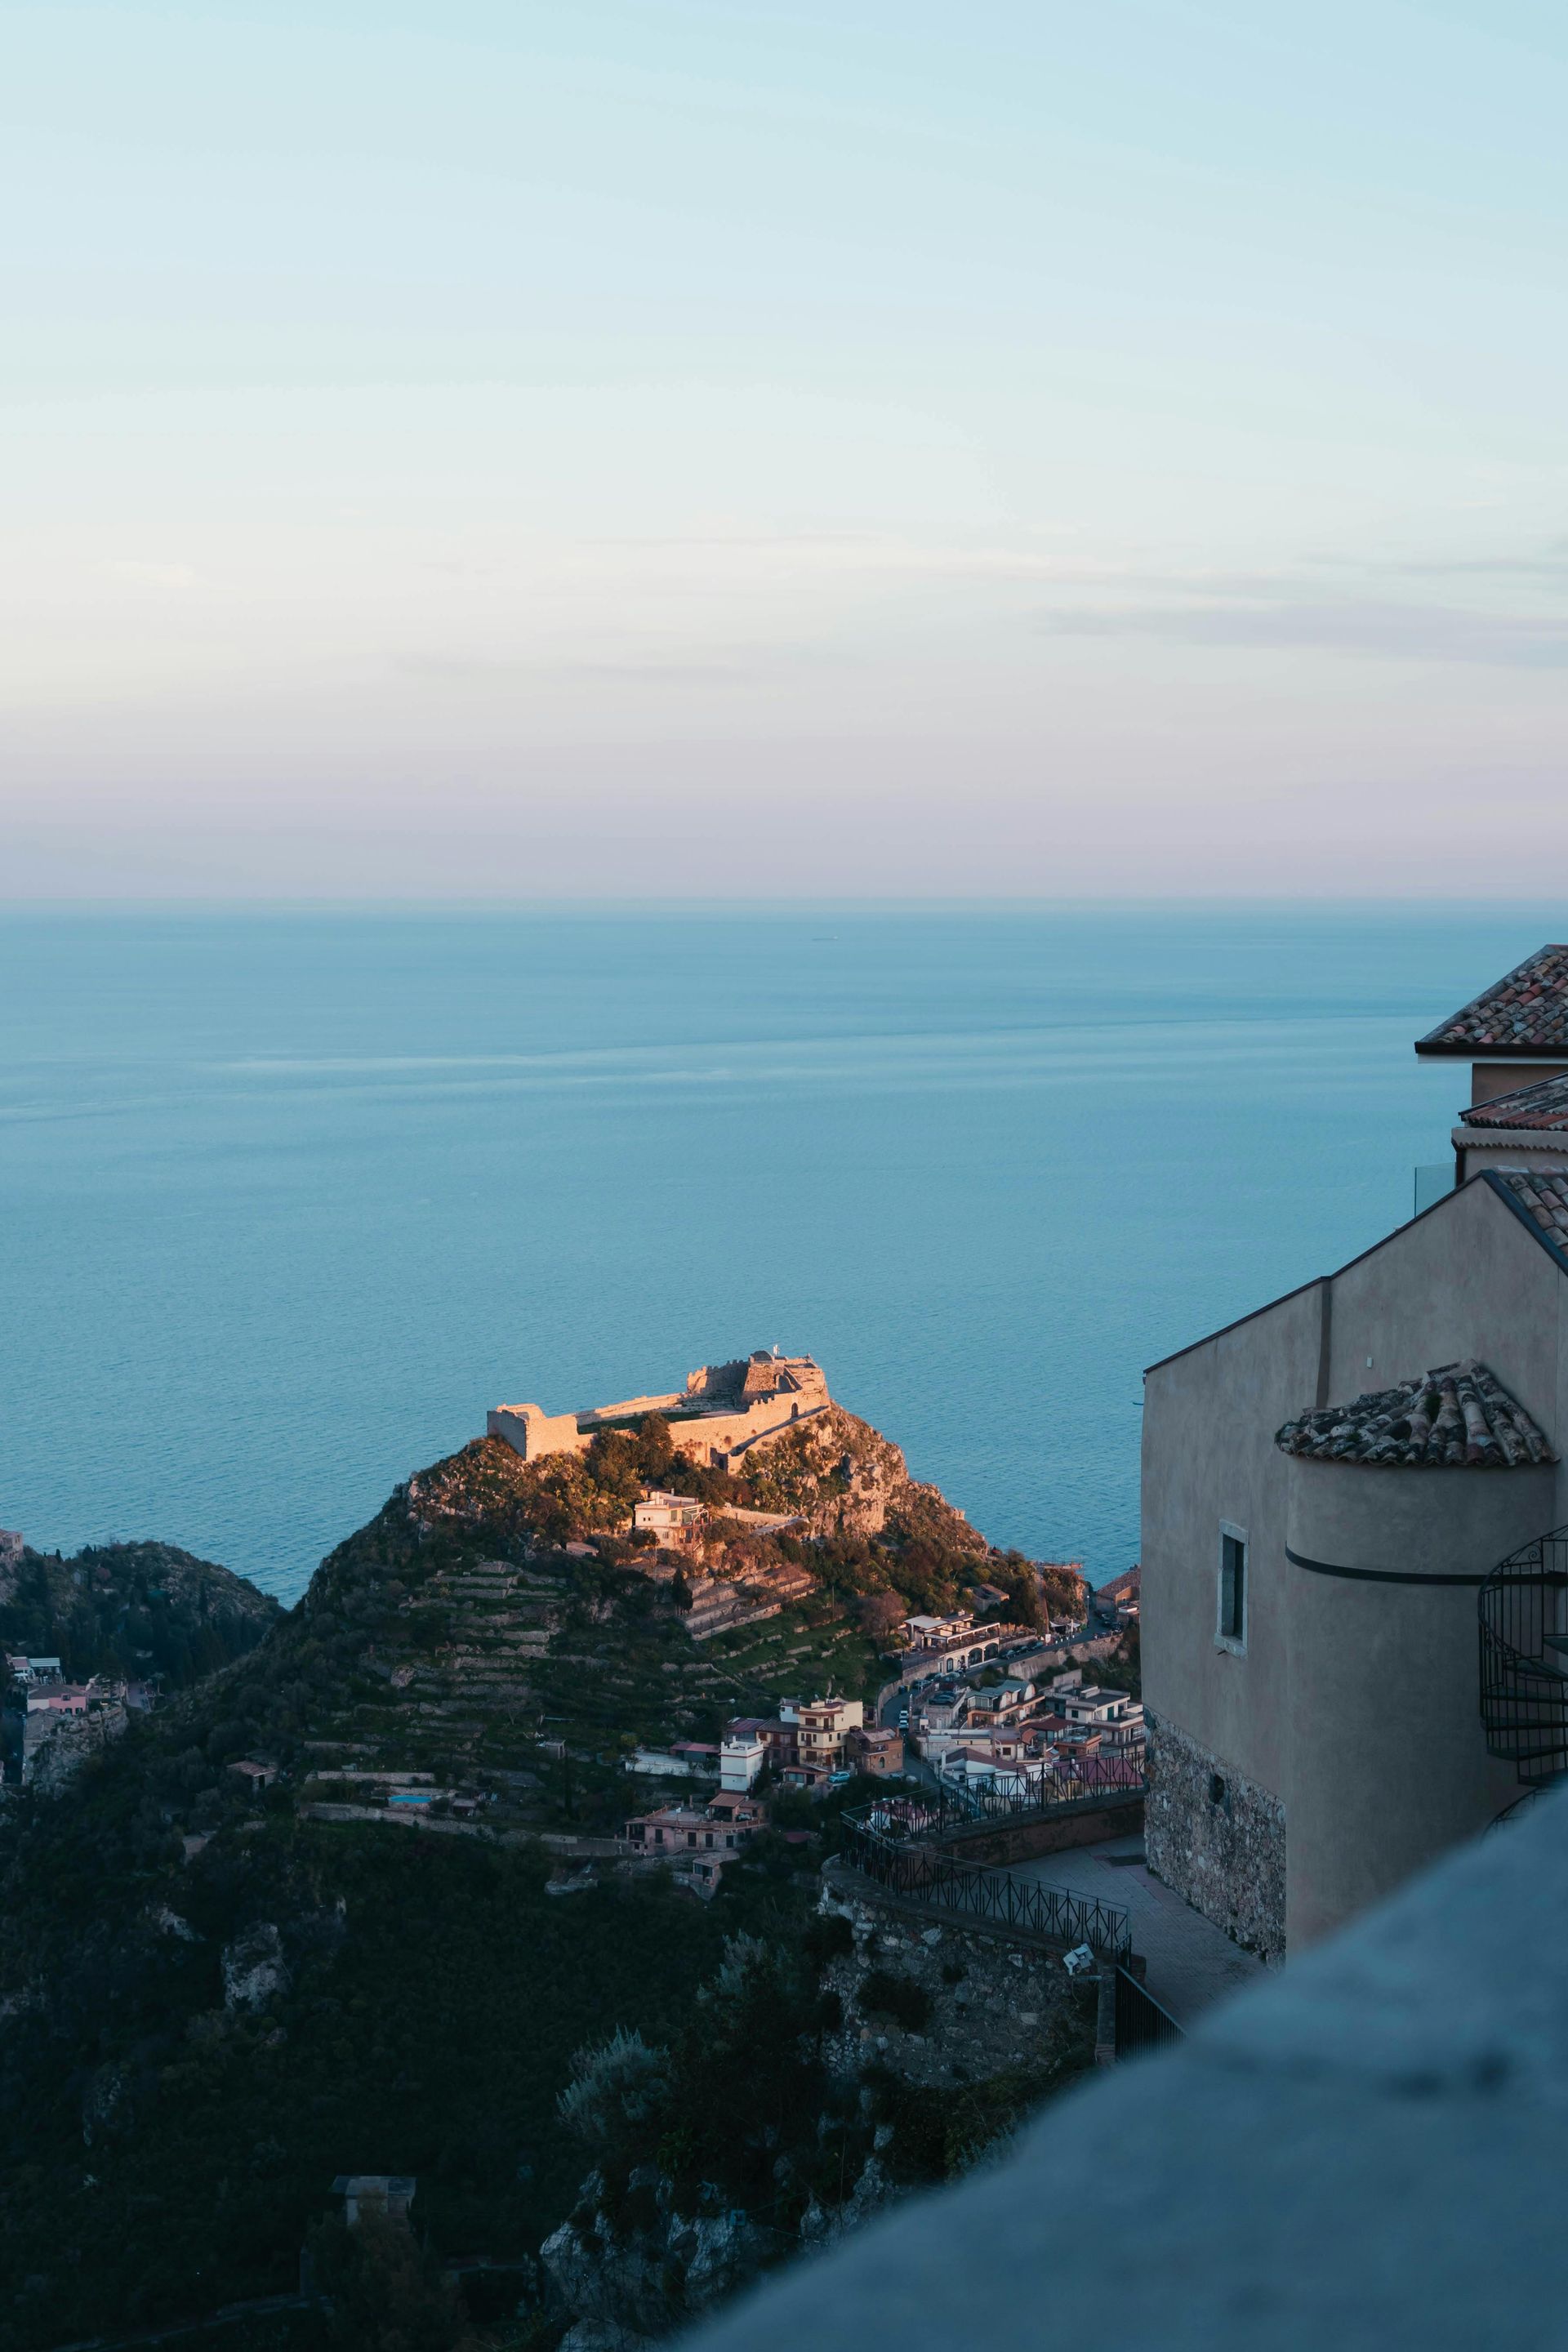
(1523, 1611)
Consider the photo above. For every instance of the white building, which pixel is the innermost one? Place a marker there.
(666, 1516)
(1116, 1717)
(34, 1670)
(740, 1761)
(936, 1633)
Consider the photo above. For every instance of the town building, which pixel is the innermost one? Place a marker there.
(824, 1725)
(671, 1517)
(723, 1411)
(1117, 1717)
(61, 1698)
(780, 1734)
(932, 1652)
(938, 1632)
(877, 1754)
(683, 1760)
(1019, 1778)
(32, 1670)
(696, 1841)
(999, 1702)
(1332, 1486)
(741, 1756)
(1119, 1595)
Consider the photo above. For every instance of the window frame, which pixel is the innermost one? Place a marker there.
(1235, 1644)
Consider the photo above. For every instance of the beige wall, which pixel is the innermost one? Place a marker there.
(1482, 1147)
(1388, 1763)
(712, 1440)
(532, 1431)
(1489, 1079)
(1356, 1704)
(1209, 1419)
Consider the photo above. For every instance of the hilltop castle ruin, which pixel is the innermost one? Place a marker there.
(722, 1414)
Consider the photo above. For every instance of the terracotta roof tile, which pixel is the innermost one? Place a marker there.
(1541, 1106)
(1526, 1012)
(1459, 1416)
(1543, 1199)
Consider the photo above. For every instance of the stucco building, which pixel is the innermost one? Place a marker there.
(1329, 1485)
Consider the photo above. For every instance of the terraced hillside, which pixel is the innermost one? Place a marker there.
(457, 1637)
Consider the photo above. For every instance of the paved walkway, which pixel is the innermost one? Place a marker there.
(1191, 1962)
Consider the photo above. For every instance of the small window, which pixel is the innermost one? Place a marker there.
(1216, 1789)
(1232, 1625)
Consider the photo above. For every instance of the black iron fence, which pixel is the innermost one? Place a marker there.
(907, 1865)
(1523, 1612)
(1140, 2022)
(1078, 1781)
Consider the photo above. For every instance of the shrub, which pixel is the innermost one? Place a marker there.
(615, 2084)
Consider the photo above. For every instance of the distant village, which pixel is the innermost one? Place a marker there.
(978, 1709)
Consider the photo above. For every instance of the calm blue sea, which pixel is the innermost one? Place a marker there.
(286, 1200)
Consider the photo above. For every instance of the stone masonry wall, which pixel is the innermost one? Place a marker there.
(1218, 1839)
(995, 2004)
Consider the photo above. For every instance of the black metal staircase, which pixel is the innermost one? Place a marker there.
(1524, 1657)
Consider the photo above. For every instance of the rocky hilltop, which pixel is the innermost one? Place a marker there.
(847, 1480)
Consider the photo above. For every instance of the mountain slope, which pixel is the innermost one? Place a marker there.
(212, 2002)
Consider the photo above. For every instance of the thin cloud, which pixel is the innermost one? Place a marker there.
(1378, 630)
(648, 673)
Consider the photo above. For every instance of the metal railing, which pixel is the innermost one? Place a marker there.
(1140, 2022)
(1523, 1614)
(907, 1865)
(1078, 1781)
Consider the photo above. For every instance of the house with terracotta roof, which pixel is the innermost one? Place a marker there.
(1346, 1494)
(1513, 1034)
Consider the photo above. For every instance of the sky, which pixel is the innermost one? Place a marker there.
(501, 449)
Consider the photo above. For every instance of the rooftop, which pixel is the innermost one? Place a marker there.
(1526, 1012)
(1543, 1199)
(1459, 1416)
(1538, 1107)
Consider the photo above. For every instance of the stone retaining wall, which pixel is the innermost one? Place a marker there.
(996, 2002)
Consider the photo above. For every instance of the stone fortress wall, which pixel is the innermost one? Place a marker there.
(722, 1414)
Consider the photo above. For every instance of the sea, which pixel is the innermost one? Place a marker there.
(288, 1197)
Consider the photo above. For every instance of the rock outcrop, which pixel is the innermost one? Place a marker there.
(633, 2280)
(55, 1747)
(254, 1969)
(845, 1478)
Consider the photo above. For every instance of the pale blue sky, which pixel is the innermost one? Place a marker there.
(535, 450)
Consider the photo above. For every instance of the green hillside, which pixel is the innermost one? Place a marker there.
(212, 2002)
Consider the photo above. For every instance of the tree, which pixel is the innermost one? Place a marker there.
(881, 1614)
(388, 2294)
